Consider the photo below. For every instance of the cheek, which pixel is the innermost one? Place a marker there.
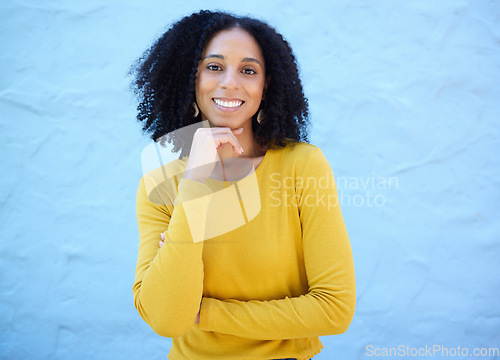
(204, 85)
(199, 85)
(258, 91)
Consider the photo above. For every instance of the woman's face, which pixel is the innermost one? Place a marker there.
(231, 79)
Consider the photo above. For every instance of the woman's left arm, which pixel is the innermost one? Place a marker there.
(328, 307)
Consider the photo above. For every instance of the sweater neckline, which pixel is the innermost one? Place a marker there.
(258, 171)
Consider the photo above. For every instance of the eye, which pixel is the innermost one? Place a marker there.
(214, 67)
(249, 71)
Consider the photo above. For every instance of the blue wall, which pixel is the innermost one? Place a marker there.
(404, 103)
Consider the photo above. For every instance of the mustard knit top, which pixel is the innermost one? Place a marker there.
(268, 256)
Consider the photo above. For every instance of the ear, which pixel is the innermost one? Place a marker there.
(266, 84)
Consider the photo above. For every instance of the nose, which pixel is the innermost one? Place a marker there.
(229, 79)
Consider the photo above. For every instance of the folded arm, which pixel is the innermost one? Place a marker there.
(328, 307)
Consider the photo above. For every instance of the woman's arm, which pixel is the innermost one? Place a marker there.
(169, 280)
(329, 305)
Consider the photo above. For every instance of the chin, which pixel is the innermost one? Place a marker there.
(226, 123)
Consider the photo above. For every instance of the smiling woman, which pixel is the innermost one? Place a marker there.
(222, 268)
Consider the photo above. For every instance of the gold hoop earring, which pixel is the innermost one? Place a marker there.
(259, 116)
(196, 110)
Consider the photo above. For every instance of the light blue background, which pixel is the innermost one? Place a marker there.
(407, 90)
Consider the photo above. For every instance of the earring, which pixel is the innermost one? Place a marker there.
(196, 110)
(259, 116)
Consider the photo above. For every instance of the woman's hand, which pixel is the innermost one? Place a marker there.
(197, 320)
(203, 155)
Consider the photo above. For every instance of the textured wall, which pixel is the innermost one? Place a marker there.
(404, 103)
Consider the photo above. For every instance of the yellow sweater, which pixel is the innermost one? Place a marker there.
(269, 287)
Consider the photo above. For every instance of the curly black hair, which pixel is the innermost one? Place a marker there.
(165, 79)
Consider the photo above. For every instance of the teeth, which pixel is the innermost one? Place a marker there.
(228, 104)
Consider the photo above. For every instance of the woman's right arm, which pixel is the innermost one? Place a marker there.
(168, 280)
(168, 283)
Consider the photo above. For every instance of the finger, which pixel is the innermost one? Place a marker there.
(222, 139)
(161, 243)
(226, 130)
(237, 149)
(237, 131)
(162, 236)
(214, 135)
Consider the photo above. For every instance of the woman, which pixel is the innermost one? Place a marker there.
(262, 276)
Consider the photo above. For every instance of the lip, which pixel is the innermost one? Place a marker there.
(227, 109)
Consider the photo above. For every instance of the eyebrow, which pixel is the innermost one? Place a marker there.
(247, 59)
(213, 56)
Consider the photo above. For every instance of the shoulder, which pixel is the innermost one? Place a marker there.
(298, 159)
(159, 185)
(297, 151)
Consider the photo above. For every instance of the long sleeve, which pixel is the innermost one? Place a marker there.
(328, 306)
(169, 280)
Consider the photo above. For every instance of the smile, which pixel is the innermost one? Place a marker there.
(228, 104)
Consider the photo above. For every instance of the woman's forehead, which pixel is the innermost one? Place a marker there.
(234, 42)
